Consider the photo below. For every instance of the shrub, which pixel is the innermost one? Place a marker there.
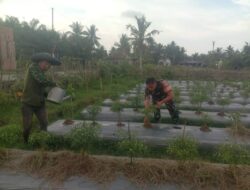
(84, 137)
(233, 154)
(43, 139)
(206, 123)
(132, 147)
(183, 148)
(137, 100)
(93, 111)
(223, 102)
(148, 114)
(198, 95)
(10, 136)
(177, 93)
(117, 107)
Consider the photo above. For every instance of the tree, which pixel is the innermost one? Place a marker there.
(175, 53)
(91, 36)
(198, 95)
(139, 35)
(76, 29)
(123, 47)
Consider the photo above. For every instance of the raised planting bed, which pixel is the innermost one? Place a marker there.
(190, 117)
(159, 135)
(186, 105)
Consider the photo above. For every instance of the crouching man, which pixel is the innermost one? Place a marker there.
(33, 100)
(160, 93)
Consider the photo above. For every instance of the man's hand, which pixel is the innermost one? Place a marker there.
(159, 104)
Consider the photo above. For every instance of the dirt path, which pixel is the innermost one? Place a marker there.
(59, 170)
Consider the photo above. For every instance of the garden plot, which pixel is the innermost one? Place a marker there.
(186, 105)
(159, 135)
(128, 114)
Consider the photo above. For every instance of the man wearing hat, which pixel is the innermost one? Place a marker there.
(33, 100)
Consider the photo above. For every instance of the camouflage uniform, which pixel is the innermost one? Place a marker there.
(33, 100)
(157, 95)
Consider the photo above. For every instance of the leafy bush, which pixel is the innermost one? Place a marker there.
(148, 114)
(46, 140)
(223, 102)
(84, 137)
(10, 136)
(132, 147)
(117, 107)
(177, 93)
(233, 154)
(6, 100)
(183, 148)
(198, 95)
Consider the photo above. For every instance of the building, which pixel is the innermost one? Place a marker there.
(192, 64)
(7, 49)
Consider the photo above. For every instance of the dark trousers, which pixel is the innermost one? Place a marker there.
(174, 113)
(27, 113)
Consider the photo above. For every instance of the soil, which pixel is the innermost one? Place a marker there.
(210, 102)
(120, 124)
(205, 128)
(135, 109)
(177, 127)
(222, 114)
(68, 122)
(198, 112)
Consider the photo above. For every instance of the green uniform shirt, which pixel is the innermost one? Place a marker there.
(34, 86)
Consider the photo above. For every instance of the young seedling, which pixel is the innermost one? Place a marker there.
(148, 115)
(71, 92)
(206, 122)
(223, 102)
(210, 91)
(93, 111)
(177, 98)
(131, 146)
(231, 94)
(237, 127)
(198, 96)
(117, 107)
(136, 101)
(245, 93)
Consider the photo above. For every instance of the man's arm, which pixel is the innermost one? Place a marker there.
(168, 90)
(146, 99)
(40, 77)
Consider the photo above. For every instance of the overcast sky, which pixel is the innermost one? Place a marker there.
(193, 24)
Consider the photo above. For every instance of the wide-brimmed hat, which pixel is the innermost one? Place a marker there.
(45, 57)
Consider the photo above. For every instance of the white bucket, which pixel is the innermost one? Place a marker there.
(56, 95)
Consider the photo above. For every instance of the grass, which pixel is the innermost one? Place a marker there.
(12, 119)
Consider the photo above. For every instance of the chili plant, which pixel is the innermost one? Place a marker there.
(117, 107)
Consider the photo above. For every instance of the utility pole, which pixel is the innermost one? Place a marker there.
(53, 19)
(213, 45)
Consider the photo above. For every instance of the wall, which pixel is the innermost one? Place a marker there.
(7, 49)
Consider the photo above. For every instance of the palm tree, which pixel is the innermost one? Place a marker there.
(77, 29)
(139, 35)
(229, 51)
(123, 46)
(90, 35)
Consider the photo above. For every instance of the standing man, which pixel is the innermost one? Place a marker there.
(33, 100)
(160, 93)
